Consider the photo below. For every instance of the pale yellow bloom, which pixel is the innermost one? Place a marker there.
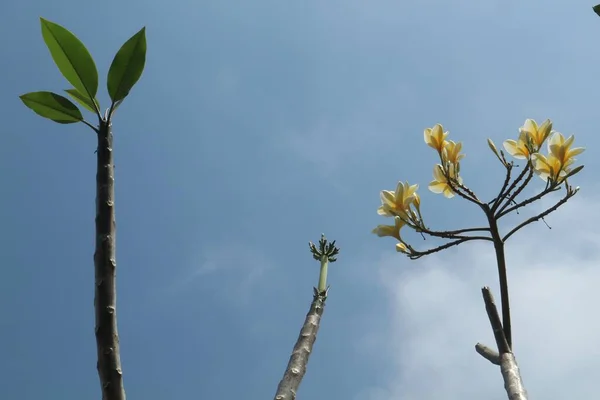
(440, 183)
(561, 148)
(550, 167)
(417, 202)
(397, 203)
(556, 165)
(537, 134)
(451, 152)
(390, 230)
(435, 137)
(518, 148)
(493, 147)
(401, 248)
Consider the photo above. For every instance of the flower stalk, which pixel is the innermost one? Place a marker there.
(296, 368)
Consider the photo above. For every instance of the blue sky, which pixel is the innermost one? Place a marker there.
(257, 126)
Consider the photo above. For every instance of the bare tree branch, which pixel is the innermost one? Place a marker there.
(511, 198)
(497, 200)
(570, 193)
(550, 189)
(513, 383)
(502, 274)
(450, 234)
(492, 312)
(488, 353)
(415, 254)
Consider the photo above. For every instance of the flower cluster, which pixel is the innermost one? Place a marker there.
(447, 172)
(404, 203)
(557, 165)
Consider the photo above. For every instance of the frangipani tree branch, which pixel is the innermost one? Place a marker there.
(556, 164)
(509, 198)
(550, 189)
(462, 190)
(488, 353)
(513, 383)
(415, 254)
(496, 201)
(502, 275)
(450, 234)
(570, 193)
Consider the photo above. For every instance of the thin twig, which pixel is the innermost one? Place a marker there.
(512, 187)
(488, 353)
(549, 189)
(496, 201)
(455, 185)
(414, 254)
(570, 193)
(450, 234)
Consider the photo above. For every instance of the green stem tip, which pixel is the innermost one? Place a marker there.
(323, 275)
(326, 253)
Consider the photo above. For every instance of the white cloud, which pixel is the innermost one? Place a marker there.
(438, 314)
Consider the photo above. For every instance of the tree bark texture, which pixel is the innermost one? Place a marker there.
(296, 368)
(107, 336)
(513, 384)
(512, 378)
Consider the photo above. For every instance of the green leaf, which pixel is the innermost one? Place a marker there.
(71, 57)
(127, 66)
(52, 106)
(84, 101)
(597, 9)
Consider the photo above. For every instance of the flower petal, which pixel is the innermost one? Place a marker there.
(513, 149)
(437, 187)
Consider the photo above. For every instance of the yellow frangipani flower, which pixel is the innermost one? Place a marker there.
(451, 152)
(550, 167)
(401, 248)
(417, 202)
(561, 148)
(435, 137)
(492, 147)
(440, 183)
(537, 134)
(397, 203)
(390, 230)
(518, 148)
(556, 165)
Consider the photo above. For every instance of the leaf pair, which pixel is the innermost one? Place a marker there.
(78, 67)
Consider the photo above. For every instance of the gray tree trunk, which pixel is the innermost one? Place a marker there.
(296, 367)
(105, 299)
